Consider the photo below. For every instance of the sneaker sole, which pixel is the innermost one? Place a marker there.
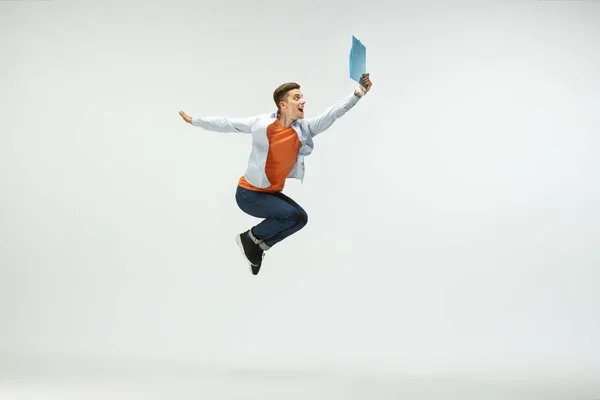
(241, 246)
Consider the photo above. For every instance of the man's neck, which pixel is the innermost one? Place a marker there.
(285, 121)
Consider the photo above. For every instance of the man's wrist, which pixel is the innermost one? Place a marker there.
(359, 93)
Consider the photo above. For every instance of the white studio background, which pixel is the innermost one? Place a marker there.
(453, 213)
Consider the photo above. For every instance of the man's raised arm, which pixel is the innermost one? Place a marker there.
(324, 120)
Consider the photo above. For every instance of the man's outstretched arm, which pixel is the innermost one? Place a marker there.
(221, 124)
(324, 120)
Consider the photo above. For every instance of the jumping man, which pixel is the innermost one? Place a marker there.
(280, 142)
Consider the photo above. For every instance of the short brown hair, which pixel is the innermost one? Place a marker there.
(281, 92)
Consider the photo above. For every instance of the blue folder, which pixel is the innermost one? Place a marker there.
(358, 60)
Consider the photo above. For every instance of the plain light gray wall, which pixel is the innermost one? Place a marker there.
(453, 213)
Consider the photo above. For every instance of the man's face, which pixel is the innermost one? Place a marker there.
(293, 107)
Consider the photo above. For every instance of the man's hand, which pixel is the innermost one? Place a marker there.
(366, 85)
(186, 117)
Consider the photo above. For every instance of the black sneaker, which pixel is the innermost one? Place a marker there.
(252, 251)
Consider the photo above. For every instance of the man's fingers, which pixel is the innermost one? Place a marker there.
(186, 117)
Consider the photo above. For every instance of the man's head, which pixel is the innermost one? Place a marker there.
(289, 101)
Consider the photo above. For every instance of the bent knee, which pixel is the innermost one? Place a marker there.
(296, 217)
(302, 218)
(291, 216)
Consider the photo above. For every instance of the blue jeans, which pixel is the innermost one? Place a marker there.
(283, 216)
